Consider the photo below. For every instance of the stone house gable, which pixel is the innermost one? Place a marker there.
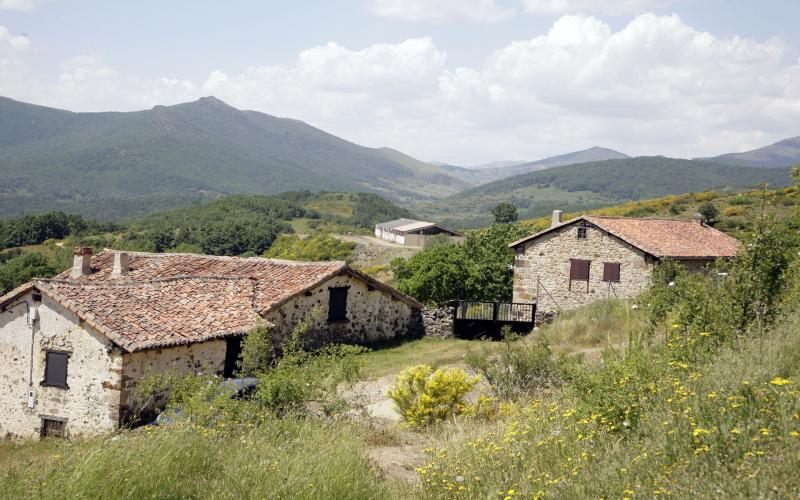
(574, 263)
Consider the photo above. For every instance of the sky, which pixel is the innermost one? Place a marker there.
(457, 81)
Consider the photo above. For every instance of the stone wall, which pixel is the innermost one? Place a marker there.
(541, 271)
(372, 314)
(90, 404)
(203, 357)
(438, 322)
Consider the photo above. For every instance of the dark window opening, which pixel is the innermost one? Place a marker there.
(37, 297)
(55, 369)
(611, 271)
(53, 427)
(233, 349)
(581, 233)
(337, 306)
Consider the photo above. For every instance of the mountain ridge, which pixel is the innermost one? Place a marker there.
(201, 149)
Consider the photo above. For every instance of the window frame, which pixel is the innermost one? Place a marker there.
(46, 382)
(337, 318)
(582, 233)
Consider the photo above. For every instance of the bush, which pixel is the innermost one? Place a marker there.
(734, 211)
(522, 367)
(318, 247)
(424, 396)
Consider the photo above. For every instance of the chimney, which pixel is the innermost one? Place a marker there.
(121, 265)
(698, 219)
(558, 215)
(81, 260)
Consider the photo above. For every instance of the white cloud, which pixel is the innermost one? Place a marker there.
(480, 11)
(17, 4)
(655, 86)
(613, 7)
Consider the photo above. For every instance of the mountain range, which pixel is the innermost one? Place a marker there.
(781, 154)
(115, 165)
(171, 156)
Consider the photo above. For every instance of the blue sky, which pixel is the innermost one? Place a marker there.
(464, 81)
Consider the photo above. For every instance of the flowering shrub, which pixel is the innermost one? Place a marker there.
(424, 396)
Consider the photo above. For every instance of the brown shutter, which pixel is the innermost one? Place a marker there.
(579, 269)
(611, 271)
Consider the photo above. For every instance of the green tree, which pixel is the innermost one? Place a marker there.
(435, 275)
(23, 268)
(491, 275)
(504, 213)
(480, 269)
(709, 212)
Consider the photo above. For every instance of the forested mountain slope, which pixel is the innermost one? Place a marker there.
(594, 184)
(172, 156)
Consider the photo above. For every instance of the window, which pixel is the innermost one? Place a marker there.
(579, 271)
(55, 369)
(581, 233)
(53, 427)
(337, 307)
(611, 271)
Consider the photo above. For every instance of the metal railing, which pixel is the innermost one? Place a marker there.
(495, 311)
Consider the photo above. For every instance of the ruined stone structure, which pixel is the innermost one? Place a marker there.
(574, 263)
(74, 346)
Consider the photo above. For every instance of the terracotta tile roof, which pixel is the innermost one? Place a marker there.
(171, 299)
(668, 237)
(160, 313)
(659, 237)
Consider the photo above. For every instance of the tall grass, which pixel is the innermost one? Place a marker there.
(644, 425)
(604, 323)
(281, 458)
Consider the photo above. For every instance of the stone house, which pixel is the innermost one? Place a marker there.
(73, 346)
(587, 258)
(414, 233)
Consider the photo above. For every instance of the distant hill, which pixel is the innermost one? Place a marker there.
(114, 165)
(502, 169)
(595, 184)
(784, 153)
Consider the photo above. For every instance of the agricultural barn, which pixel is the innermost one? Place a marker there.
(576, 262)
(413, 233)
(73, 346)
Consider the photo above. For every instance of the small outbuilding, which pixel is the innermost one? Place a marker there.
(414, 233)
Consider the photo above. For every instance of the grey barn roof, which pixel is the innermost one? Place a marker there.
(396, 223)
(407, 225)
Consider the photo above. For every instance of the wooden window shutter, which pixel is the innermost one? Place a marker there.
(579, 269)
(337, 306)
(611, 271)
(55, 369)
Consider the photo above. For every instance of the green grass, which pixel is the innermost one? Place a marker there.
(606, 323)
(430, 351)
(282, 458)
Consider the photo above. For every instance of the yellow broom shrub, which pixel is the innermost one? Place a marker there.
(424, 396)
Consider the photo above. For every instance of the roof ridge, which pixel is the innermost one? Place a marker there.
(635, 218)
(128, 283)
(226, 257)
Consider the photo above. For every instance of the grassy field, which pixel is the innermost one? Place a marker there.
(728, 426)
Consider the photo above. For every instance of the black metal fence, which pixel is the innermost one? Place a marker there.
(487, 319)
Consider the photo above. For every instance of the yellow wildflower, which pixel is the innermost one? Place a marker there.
(780, 381)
